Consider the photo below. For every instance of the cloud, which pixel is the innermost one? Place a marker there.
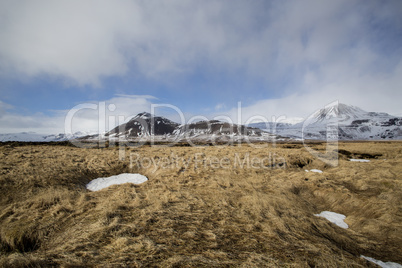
(71, 39)
(373, 93)
(85, 41)
(305, 53)
(220, 106)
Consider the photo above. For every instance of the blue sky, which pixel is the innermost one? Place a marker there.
(275, 57)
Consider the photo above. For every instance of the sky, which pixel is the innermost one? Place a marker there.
(80, 61)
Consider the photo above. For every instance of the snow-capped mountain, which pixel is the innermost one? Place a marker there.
(339, 121)
(340, 111)
(346, 122)
(144, 124)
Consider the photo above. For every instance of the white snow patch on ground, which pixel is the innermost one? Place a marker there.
(100, 183)
(335, 218)
(383, 264)
(359, 160)
(314, 170)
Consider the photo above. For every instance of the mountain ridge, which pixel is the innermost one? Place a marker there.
(353, 123)
(145, 125)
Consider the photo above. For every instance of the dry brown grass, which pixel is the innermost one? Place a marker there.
(199, 216)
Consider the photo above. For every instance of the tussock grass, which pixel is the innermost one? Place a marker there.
(194, 214)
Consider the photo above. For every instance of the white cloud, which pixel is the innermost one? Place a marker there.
(220, 106)
(312, 52)
(84, 41)
(373, 93)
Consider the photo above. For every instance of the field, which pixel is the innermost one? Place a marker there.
(203, 206)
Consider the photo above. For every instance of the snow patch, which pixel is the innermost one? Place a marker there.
(314, 170)
(101, 183)
(335, 218)
(383, 264)
(359, 160)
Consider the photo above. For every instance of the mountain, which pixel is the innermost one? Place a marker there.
(144, 124)
(35, 137)
(338, 120)
(217, 128)
(346, 122)
(270, 125)
(214, 130)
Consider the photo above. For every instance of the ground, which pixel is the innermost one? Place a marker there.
(205, 206)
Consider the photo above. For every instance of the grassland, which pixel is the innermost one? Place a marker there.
(198, 210)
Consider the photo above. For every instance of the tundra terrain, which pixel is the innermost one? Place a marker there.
(203, 206)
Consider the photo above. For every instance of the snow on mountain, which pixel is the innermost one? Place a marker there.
(144, 124)
(344, 114)
(218, 128)
(270, 126)
(344, 122)
(36, 137)
(340, 121)
(214, 130)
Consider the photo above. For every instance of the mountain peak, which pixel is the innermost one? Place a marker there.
(341, 111)
(144, 124)
(342, 108)
(143, 115)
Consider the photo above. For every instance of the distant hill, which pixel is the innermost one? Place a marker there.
(36, 137)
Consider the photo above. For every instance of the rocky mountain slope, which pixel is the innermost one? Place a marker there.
(144, 124)
(214, 130)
